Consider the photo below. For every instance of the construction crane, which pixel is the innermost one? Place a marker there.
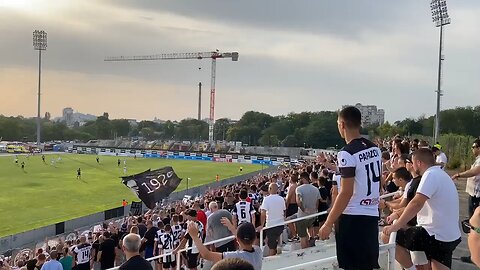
(199, 56)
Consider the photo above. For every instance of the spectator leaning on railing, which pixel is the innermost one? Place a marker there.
(355, 210)
(436, 206)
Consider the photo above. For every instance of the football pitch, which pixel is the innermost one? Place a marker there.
(47, 193)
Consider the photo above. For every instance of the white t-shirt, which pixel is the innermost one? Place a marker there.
(473, 183)
(442, 158)
(274, 205)
(362, 160)
(440, 213)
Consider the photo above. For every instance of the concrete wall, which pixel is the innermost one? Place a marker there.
(29, 239)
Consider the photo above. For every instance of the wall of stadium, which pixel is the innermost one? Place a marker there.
(271, 160)
(30, 239)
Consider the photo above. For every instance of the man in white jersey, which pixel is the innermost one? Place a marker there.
(355, 211)
(83, 256)
(243, 211)
(436, 206)
(166, 244)
(177, 230)
(191, 255)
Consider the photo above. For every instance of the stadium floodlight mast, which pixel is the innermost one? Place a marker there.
(440, 18)
(40, 44)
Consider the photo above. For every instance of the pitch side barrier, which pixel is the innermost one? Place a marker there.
(269, 160)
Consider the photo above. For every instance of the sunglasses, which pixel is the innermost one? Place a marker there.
(474, 146)
(467, 227)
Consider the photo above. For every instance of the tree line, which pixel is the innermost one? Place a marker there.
(305, 129)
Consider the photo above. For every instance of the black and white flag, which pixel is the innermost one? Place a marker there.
(153, 186)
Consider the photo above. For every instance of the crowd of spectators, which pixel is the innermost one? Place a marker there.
(243, 209)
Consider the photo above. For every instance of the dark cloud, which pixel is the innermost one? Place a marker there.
(301, 55)
(339, 17)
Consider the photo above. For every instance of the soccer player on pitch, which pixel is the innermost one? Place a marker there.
(355, 210)
(79, 174)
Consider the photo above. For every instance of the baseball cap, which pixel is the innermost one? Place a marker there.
(246, 232)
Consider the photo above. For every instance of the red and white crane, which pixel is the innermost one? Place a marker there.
(199, 55)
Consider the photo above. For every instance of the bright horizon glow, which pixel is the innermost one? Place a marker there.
(22, 5)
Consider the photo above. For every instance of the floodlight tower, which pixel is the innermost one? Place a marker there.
(39, 44)
(440, 18)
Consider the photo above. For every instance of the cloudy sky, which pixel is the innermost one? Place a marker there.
(294, 56)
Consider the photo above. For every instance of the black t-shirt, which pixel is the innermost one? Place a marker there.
(328, 186)
(136, 263)
(121, 235)
(229, 207)
(412, 190)
(391, 187)
(115, 237)
(150, 236)
(31, 264)
(95, 248)
(108, 253)
(324, 193)
(142, 229)
(166, 220)
(220, 200)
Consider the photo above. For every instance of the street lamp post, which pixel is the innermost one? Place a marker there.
(40, 44)
(440, 18)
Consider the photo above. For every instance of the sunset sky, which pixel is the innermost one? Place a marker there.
(294, 56)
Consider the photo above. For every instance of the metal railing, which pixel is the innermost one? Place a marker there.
(390, 247)
(311, 216)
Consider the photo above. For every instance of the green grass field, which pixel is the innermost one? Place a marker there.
(44, 194)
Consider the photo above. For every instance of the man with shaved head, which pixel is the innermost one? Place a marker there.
(82, 252)
(131, 246)
(272, 215)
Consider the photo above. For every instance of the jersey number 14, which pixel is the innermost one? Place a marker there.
(372, 176)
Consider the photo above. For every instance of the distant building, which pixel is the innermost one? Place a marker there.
(158, 121)
(67, 115)
(370, 114)
(132, 122)
(74, 119)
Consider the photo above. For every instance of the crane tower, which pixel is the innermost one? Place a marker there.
(199, 55)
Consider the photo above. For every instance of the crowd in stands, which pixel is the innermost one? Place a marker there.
(169, 145)
(426, 236)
